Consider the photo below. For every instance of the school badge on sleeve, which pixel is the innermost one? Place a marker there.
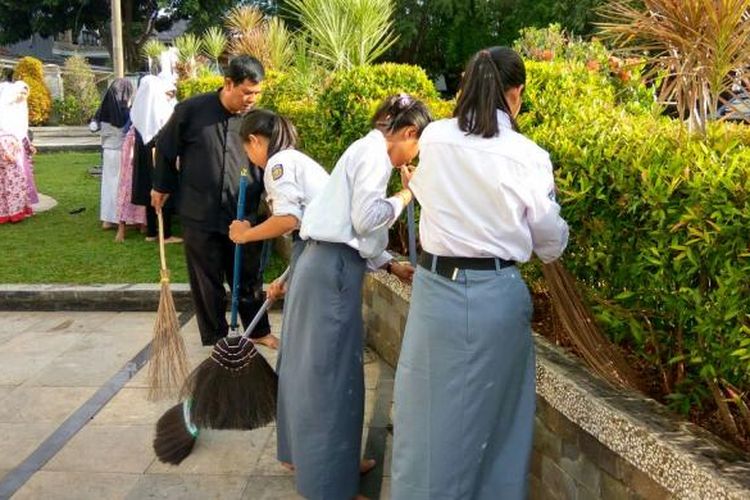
(277, 171)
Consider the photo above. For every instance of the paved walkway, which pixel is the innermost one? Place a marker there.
(58, 368)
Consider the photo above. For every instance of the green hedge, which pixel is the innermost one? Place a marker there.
(660, 226)
(340, 113)
(190, 87)
(660, 222)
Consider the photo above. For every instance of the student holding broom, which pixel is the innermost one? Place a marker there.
(321, 380)
(464, 393)
(204, 134)
(291, 178)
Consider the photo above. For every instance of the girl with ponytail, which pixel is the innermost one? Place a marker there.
(291, 179)
(321, 377)
(464, 391)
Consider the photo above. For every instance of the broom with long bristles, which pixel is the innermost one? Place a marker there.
(580, 327)
(246, 397)
(168, 366)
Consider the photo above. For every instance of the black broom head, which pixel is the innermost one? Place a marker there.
(233, 389)
(175, 434)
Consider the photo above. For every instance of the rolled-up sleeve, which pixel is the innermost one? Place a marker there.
(549, 231)
(284, 189)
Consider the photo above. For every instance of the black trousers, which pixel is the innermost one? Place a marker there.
(152, 223)
(210, 259)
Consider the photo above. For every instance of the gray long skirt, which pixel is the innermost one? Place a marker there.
(464, 392)
(321, 379)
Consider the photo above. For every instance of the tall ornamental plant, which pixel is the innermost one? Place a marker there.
(696, 49)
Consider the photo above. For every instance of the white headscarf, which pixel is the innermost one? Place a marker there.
(14, 110)
(152, 107)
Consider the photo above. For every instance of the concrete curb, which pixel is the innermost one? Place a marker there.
(106, 297)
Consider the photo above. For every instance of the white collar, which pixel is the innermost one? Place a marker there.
(503, 120)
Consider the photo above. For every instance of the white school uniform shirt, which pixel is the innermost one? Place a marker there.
(486, 197)
(292, 179)
(352, 208)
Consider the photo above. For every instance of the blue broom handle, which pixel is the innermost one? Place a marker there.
(238, 253)
(263, 309)
(412, 234)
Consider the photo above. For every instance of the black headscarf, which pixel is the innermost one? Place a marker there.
(115, 107)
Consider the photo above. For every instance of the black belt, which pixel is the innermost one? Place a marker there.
(448, 267)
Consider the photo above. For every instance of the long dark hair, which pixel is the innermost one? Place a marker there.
(280, 131)
(399, 111)
(488, 75)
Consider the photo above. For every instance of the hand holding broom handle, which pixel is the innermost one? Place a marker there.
(263, 309)
(233, 327)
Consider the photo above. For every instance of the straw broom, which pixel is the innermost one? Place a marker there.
(234, 388)
(169, 366)
(579, 325)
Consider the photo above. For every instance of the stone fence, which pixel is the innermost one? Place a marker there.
(592, 441)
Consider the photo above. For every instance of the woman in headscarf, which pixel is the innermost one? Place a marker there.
(14, 195)
(15, 120)
(152, 106)
(113, 115)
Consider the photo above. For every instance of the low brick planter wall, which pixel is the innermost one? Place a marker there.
(592, 441)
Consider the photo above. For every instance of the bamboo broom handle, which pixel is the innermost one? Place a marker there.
(162, 252)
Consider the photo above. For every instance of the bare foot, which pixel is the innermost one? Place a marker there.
(120, 236)
(270, 341)
(173, 239)
(366, 466)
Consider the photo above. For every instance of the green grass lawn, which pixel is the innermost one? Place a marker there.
(59, 247)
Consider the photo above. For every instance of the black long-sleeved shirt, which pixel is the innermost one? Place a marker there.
(205, 137)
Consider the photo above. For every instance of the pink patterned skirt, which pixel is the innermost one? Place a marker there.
(14, 195)
(126, 211)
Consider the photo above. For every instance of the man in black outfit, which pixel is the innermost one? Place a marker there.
(204, 134)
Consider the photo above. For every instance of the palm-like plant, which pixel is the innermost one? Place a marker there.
(280, 44)
(695, 47)
(304, 69)
(214, 44)
(188, 48)
(346, 33)
(152, 50)
(247, 30)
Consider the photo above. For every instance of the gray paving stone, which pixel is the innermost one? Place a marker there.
(42, 404)
(220, 452)
(188, 487)
(18, 440)
(76, 486)
(131, 407)
(270, 488)
(106, 448)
